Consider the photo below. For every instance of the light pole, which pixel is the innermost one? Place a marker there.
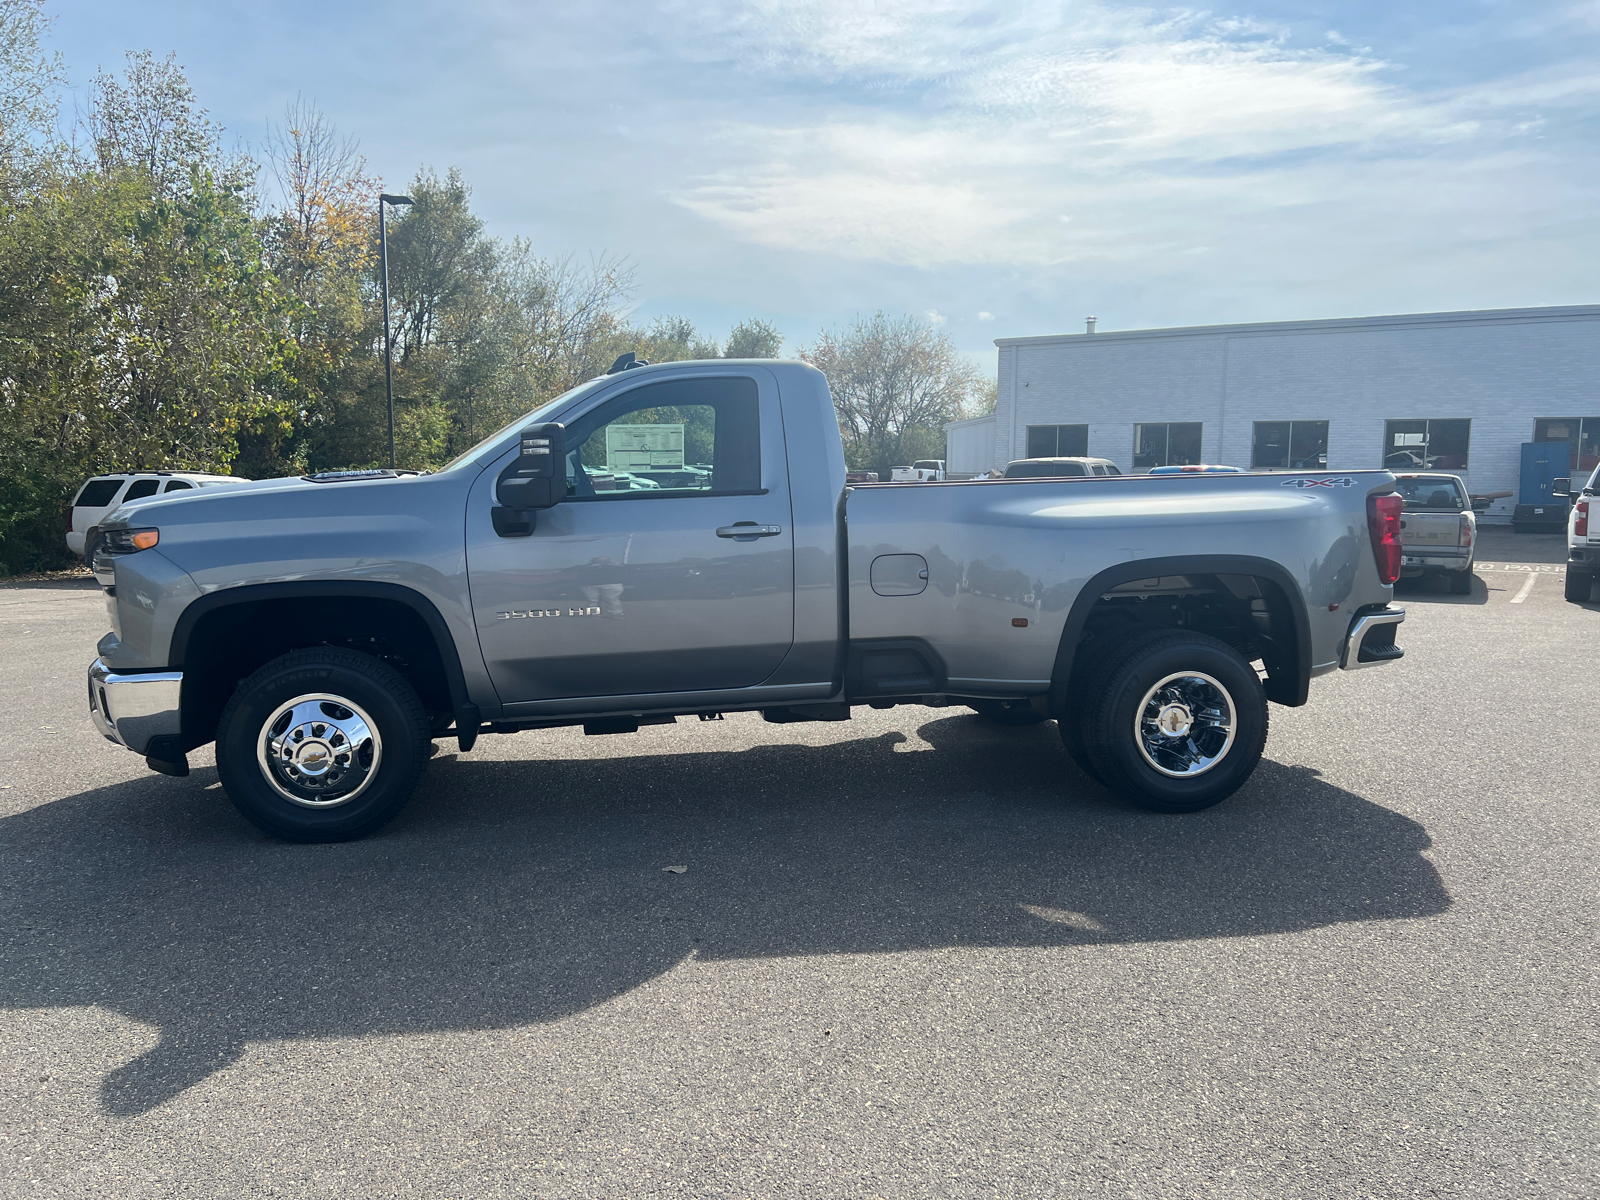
(388, 336)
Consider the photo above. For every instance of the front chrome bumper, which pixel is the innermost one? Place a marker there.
(130, 710)
(1370, 642)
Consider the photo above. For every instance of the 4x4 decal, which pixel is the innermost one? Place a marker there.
(1341, 481)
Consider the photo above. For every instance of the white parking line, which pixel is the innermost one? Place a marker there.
(1526, 588)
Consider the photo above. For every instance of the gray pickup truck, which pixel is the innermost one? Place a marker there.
(322, 631)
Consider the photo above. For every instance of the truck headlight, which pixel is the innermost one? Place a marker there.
(128, 541)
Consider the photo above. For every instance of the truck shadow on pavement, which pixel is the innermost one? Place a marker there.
(1433, 590)
(518, 892)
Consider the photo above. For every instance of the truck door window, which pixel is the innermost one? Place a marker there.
(178, 485)
(140, 488)
(687, 437)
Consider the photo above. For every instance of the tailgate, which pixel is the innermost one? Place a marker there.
(1422, 530)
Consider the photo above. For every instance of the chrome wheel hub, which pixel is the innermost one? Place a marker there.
(1185, 724)
(319, 751)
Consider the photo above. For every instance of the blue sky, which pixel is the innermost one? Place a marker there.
(1001, 168)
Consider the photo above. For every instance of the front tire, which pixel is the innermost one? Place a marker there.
(322, 745)
(1578, 586)
(1178, 724)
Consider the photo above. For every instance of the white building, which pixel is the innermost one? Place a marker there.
(1451, 391)
(969, 446)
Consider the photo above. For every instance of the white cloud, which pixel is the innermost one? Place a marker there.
(985, 316)
(1128, 119)
(935, 317)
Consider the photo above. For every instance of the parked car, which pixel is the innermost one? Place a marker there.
(924, 470)
(1196, 469)
(853, 477)
(101, 494)
(324, 631)
(677, 477)
(627, 481)
(1583, 541)
(1437, 529)
(1058, 468)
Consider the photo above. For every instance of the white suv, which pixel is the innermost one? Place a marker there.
(1583, 541)
(104, 492)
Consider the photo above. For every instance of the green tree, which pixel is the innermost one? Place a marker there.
(895, 382)
(28, 81)
(139, 326)
(150, 122)
(754, 338)
(321, 244)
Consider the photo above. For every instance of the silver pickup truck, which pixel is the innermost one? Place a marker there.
(322, 631)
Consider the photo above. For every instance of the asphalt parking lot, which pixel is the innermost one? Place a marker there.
(913, 955)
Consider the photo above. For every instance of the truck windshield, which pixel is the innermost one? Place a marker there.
(1434, 495)
(537, 414)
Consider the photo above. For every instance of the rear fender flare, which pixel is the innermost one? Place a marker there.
(1290, 692)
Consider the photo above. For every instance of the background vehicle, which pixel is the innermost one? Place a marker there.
(924, 470)
(1437, 529)
(1583, 541)
(1196, 469)
(103, 493)
(1059, 468)
(321, 631)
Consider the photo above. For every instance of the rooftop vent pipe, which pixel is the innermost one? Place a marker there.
(1089, 321)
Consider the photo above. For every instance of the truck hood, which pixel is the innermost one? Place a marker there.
(220, 503)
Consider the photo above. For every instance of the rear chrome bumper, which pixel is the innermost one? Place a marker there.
(1370, 642)
(130, 710)
(1442, 560)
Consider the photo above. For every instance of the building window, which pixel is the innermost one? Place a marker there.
(1166, 445)
(1582, 433)
(1290, 446)
(1058, 441)
(1426, 445)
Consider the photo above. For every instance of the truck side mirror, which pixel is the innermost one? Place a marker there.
(537, 479)
(1561, 486)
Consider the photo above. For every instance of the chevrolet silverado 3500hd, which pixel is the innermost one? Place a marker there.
(323, 630)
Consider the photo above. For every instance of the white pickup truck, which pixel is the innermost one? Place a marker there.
(924, 470)
(1583, 541)
(322, 631)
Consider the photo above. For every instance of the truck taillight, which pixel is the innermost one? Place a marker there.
(1383, 524)
(1465, 539)
(1580, 523)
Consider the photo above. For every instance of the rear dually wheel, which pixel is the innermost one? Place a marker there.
(1177, 722)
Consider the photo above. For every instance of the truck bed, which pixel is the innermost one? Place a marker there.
(1007, 561)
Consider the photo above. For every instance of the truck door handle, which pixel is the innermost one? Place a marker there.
(749, 529)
